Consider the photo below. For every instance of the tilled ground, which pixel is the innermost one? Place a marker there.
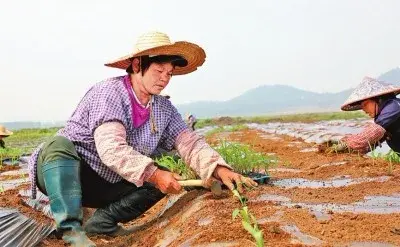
(289, 215)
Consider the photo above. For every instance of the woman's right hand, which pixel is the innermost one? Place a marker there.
(166, 182)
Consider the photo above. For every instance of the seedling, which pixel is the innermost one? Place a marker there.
(249, 222)
(243, 159)
(175, 164)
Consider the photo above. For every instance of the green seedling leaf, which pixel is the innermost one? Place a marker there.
(235, 213)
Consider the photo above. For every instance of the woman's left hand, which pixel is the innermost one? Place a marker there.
(229, 178)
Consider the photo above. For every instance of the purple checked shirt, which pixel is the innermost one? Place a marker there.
(111, 101)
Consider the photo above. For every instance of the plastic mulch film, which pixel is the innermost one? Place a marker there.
(17, 229)
(41, 203)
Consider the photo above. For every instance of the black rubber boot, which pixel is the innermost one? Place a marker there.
(105, 220)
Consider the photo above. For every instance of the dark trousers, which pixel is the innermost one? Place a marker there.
(96, 191)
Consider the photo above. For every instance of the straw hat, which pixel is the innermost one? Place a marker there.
(156, 43)
(4, 131)
(369, 88)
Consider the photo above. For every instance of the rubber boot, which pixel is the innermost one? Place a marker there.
(63, 186)
(105, 220)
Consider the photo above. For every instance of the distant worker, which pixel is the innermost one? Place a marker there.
(191, 121)
(3, 134)
(378, 100)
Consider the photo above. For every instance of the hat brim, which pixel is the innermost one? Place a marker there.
(194, 55)
(356, 105)
(6, 133)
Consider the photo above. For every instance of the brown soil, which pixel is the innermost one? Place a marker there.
(5, 168)
(12, 177)
(183, 222)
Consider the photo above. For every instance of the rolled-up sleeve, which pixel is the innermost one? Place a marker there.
(365, 140)
(115, 153)
(198, 154)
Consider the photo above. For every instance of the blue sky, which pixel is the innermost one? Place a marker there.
(53, 51)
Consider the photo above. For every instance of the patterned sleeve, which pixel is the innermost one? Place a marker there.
(365, 140)
(198, 154)
(175, 126)
(115, 153)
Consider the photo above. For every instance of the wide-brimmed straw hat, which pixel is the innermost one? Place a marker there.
(368, 89)
(4, 131)
(155, 44)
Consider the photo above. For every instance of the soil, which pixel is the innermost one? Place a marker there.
(4, 168)
(198, 219)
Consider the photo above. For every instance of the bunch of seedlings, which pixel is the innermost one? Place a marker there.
(249, 222)
(176, 165)
(391, 156)
(245, 160)
(11, 154)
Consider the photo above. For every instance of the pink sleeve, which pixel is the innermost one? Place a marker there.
(198, 154)
(366, 139)
(116, 154)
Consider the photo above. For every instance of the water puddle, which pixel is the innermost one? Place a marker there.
(276, 217)
(205, 221)
(284, 170)
(370, 204)
(366, 244)
(340, 182)
(300, 238)
(321, 216)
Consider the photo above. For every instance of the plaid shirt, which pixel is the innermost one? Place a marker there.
(110, 101)
(367, 139)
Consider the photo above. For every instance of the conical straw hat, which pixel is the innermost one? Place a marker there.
(4, 131)
(156, 43)
(369, 88)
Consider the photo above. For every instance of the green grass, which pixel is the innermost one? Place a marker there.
(11, 153)
(24, 141)
(242, 158)
(306, 117)
(231, 128)
(29, 137)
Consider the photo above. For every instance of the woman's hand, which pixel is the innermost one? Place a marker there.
(230, 178)
(166, 182)
(333, 146)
